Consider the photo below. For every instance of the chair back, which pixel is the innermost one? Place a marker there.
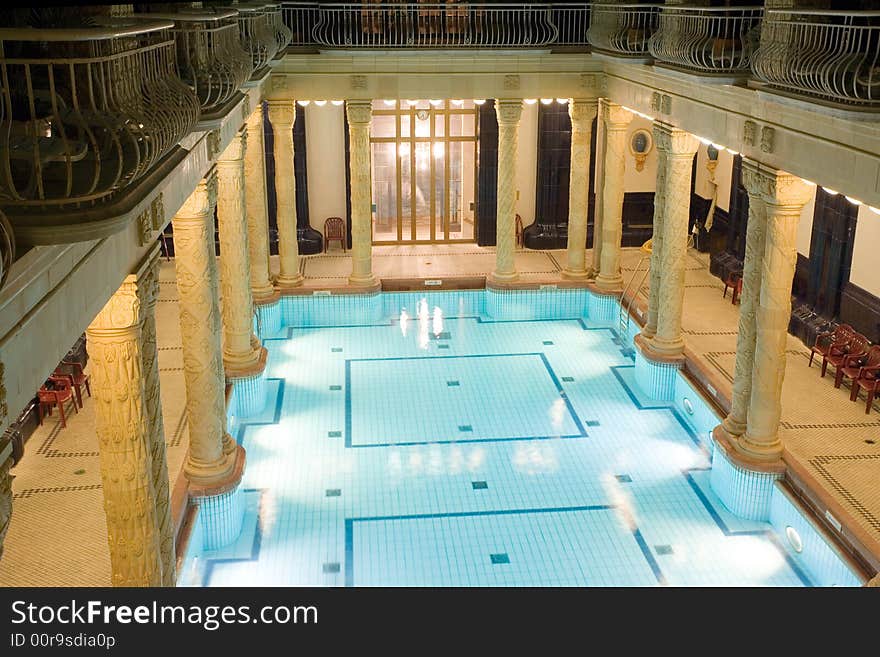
(842, 332)
(858, 344)
(334, 228)
(873, 358)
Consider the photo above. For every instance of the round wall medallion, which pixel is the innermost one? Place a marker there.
(640, 144)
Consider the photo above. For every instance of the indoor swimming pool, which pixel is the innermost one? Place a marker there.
(453, 439)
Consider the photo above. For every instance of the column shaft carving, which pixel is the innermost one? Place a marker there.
(257, 210)
(116, 364)
(756, 184)
(210, 457)
(679, 148)
(155, 422)
(5, 498)
(240, 353)
(282, 115)
(360, 115)
(616, 120)
(650, 328)
(784, 199)
(582, 113)
(598, 213)
(508, 113)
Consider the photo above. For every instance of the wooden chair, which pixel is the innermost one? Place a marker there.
(518, 239)
(851, 366)
(734, 280)
(77, 377)
(334, 229)
(825, 339)
(857, 345)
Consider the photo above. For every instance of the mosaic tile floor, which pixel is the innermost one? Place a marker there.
(514, 457)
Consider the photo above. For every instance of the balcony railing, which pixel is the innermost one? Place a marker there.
(419, 25)
(280, 31)
(572, 23)
(624, 29)
(711, 40)
(210, 59)
(301, 18)
(833, 55)
(87, 110)
(257, 33)
(7, 249)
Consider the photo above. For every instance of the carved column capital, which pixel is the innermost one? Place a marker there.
(673, 141)
(508, 112)
(234, 153)
(582, 112)
(774, 187)
(202, 200)
(360, 112)
(282, 113)
(615, 116)
(254, 122)
(123, 310)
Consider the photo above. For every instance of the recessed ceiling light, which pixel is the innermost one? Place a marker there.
(436, 102)
(546, 101)
(833, 192)
(389, 102)
(337, 102)
(531, 101)
(303, 103)
(412, 102)
(873, 209)
(457, 101)
(479, 101)
(562, 101)
(320, 103)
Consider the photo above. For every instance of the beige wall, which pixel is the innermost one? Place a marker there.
(864, 264)
(325, 162)
(805, 227)
(527, 163)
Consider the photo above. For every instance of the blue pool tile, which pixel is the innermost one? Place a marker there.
(336, 350)
(331, 567)
(479, 485)
(443, 346)
(547, 342)
(624, 478)
(593, 423)
(333, 492)
(453, 384)
(663, 549)
(334, 434)
(335, 387)
(568, 379)
(499, 558)
(465, 427)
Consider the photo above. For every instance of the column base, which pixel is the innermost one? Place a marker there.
(575, 274)
(245, 370)
(221, 508)
(762, 452)
(744, 486)
(610, 284)
(655, 375)
(367, 280)
(662, 349)
(264, 294)
(286, 282)
(216, 477)
(496, 278)
(732, 429)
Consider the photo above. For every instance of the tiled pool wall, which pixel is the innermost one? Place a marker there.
(758, 498)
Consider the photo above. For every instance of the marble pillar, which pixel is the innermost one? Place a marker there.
(5, 493)
(257, 209)
(211, 457)
(616, 120)
(595, 263)
(784, 198)
(360, 116)
(582, 113)
(756, 231)
(650, 328)
(241, 349)
(508, 113)
(282, 115)
(116, 364)
(678, 149)
(155, 421)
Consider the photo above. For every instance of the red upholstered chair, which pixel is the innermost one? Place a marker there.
(868, 380)
(857, 345)
(334, 229)
(824, 340)
(851, 366)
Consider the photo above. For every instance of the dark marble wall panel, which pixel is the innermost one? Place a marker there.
(550, 228)
(487, 175)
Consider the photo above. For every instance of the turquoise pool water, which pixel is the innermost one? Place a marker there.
(421, 443)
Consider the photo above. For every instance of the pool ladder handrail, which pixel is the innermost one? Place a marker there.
(626, 304)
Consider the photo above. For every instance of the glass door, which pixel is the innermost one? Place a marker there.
(423, 171)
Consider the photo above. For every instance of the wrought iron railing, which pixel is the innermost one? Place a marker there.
(716, 40)
(257, 33)
(434, 25)
(833, 55)
(280, 31)
(301, 18)
(210, 59)
(7, 249)
(572, 23)
(85, 110)
(623, 29)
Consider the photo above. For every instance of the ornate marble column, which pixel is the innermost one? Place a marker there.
(650, 328)
(211, 457)
(360, 115)
(115, 347)
(616, 120)
(582, 113)
(595, 263)
(508, 113)
(756, 231)
(155, 422)
(5, 492)
(678, 149)
(282, 115)
(784, 198)
(241, 349)
(262, 290)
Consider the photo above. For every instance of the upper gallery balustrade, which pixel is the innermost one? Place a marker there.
(258, 33)
(281, 32)
(623, 29)
(210, 59)
(831, 55)
(87, 108)
(716, 40)
(437, 25)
